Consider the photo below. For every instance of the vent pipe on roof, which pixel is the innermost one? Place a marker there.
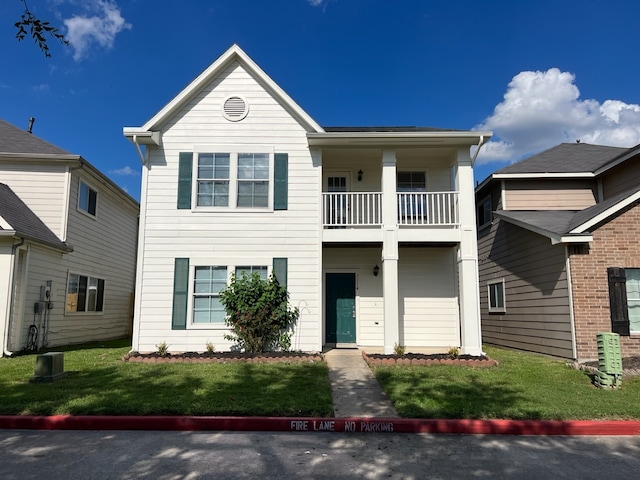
(30, 128)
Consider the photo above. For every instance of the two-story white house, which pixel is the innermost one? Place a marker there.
(68, 239)
(372, 229)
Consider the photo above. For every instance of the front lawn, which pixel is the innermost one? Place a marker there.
(523, 386)
(100, 383)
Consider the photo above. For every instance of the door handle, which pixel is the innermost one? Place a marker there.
(353, 312)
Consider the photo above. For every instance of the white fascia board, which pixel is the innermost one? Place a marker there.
(607, 213)
(39, 157)
(234, 52)
(572, 239)
(437, 139)
(142, 137)
(515, 176)
(7, 233)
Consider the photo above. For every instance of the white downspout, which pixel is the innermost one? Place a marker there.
(572, 321)
(480, 144)
(7, 329)
(135, 142)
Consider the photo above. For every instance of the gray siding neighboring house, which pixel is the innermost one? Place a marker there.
(551, 233)
(67, 247)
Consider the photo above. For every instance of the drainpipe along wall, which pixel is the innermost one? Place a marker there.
(10, 289)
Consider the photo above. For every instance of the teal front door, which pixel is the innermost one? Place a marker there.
(341, 307)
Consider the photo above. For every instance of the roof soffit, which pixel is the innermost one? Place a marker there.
(234, 53)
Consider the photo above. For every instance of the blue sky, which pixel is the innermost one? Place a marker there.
(536, 73)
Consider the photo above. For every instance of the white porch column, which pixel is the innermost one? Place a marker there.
(471, 338)
(390, 251)
(6, 289)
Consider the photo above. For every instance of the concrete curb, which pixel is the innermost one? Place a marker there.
(324, 424)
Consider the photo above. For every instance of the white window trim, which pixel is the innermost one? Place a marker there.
(231, 268)
(233, 151)
(86, 312)
(488, 220)
(502, 309)
(81, 210)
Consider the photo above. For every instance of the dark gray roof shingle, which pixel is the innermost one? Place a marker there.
(587, 214)
(566, 158)
(556, 221)
(15, 140)
(24, 222)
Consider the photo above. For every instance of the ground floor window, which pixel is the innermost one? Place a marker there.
(84, 294)
(208, 282)
(496, 296)
(633, 298)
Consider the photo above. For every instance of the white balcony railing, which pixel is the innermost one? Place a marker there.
(352, 209)
(348, 209)
(428, 208)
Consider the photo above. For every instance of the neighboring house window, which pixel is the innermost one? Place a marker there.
(84, 294)
(213, 180)
(496, 296)
(484, 212)
(633, 298)
(208, 282)
(87, 199)
(261, 271)
(253, 180)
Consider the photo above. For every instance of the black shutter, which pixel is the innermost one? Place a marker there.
(618, 300)
(280, 181)
(185, 169)
(180, 294)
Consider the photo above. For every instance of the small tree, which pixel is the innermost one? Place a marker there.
(258, 313)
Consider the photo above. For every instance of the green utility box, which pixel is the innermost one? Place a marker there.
(609, 374)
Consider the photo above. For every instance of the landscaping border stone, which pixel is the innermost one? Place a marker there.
(415, 359)
(223, 357)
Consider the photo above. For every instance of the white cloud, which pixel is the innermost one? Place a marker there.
(102, 22)
(543, 109)
(43, 87)
(320, 3)
(125, 171)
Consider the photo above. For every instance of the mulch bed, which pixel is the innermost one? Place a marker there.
(223, 357)
(431, 359)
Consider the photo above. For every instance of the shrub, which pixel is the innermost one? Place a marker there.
(399, 349)
(162, 349)
(258, 313)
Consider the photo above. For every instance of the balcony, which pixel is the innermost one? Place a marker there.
(356, 209)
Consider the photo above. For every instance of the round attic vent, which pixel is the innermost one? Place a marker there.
(235, 108)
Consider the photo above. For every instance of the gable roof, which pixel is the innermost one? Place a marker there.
(552, 224)
(565, 158)
(18, 220)
(234, 53)
(13, 141)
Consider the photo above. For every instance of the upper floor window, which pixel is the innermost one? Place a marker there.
(248, 270)
(87, 199)
(226, 179)
(484, 212)
(411, 182)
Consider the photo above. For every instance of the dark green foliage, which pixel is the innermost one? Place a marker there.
(37, 29)
(258, 313)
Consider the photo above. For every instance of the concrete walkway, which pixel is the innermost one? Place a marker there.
(356, 393)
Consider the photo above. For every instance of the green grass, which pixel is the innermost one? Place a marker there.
(100, 383)
(524, 386)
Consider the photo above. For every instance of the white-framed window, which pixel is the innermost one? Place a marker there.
(483, 213)
(496, 297)
(253, 180)
(213, 180)
(87, 199)
(633, 298)
(84, 294)
(207, 284)
(262, 271)
(228, 177)
(411, 182)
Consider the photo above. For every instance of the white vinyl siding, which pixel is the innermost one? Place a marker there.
(227, 236)
(42, 188)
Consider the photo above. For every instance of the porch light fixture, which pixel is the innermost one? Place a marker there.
(360, 172)
(376, 270)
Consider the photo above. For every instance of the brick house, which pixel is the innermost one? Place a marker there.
(559, 260)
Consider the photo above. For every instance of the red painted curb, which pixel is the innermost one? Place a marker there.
(307, 424)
